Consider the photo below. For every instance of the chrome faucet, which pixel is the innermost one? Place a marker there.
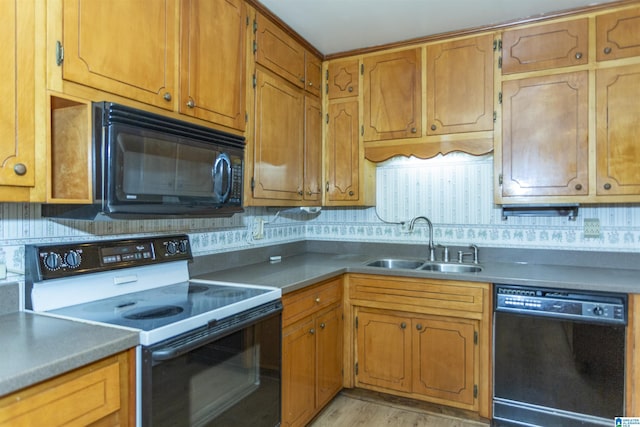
(462, 254)
(432, 248)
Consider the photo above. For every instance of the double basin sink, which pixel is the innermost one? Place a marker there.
(412, 264)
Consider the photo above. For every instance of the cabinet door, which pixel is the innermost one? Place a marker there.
(123, 47)
(554, 45)
(17, 91)
(617, 34)
(278, 151)
(444, 357)
(329, 355)
(384, 350)
(298, 373)
(617, 145)
(544, 136)
(212, 61)
(313, 74)
(343, 154)
(279, 52)
(460, 86)
(312, 149)
(392, 93)
(342, 79)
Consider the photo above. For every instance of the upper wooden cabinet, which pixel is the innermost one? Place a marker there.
(392, 107)
(618, 34)
(312, 181)
(460, 86)
(618, 127)
(212, 61)
(313, 74)
(343, 153)
(343, 79)
(22, 151)
(545, 46)
(122, 47)
(544, 136)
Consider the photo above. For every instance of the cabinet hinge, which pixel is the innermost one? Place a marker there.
(326, 75)
(59, 53)
(255, 46)
(326, 88)
(253, 183)
(356, 316)
(255, 81)
(500, 62)
(255, 26)
(499, 97)
(475, 337)
(327, 119)
(475, 391)
(495, 116)
(246, 117)
(362, 130)
(500, 179)
(356, 368)
(362, 69)
(499, 44)
(247, 21)
(495, 45)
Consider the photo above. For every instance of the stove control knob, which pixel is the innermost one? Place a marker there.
(72, 259)
(598, 311)
(183, 246)
(172, 248)
(52, 261)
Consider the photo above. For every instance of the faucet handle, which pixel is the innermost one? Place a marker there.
(475, 252)
(445, 253)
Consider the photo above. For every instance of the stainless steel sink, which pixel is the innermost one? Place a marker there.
(411, 264)
(450, 268)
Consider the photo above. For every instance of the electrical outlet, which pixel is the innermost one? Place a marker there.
(592, 228)
(258, 229)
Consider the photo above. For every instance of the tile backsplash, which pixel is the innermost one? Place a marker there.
(454, 191)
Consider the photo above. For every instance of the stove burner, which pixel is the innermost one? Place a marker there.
(196, 289)
(155, 312)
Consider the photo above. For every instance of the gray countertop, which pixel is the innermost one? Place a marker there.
(38, 347)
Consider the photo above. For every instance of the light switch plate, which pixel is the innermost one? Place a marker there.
(591, 228)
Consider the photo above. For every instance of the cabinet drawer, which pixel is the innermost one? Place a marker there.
(308, 301)
(419, 295)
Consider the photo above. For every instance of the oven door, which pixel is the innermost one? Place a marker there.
(228, 374)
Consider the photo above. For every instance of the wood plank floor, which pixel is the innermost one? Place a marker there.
(356, 407)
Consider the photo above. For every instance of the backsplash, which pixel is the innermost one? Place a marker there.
(454, 191)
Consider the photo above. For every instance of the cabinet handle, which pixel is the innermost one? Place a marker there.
(351, 193)
(578, 187)
(414, 130)
(310, 84)
(607, 186)
(403, 325)
(419, 327)
(322, 325)
(350, 89)
(167, 96)
(302, 79)
(578, 55)
(300, 193)
(434, 127)
(312, 331)
(318, 300)
(20, 169)
(309, 193)
(607, 50)
(191, 103)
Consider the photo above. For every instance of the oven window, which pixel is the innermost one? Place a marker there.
(233, 381)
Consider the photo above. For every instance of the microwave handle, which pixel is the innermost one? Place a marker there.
(221, 167)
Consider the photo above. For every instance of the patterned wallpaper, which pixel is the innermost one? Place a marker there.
(454, 191)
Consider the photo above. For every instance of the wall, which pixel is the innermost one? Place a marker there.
(454, 191)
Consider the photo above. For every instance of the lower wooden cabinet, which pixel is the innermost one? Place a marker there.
(311, 351)
(100, 394)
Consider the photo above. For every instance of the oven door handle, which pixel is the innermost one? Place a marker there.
(215, 331)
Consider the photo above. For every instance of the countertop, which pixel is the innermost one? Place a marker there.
(37, 347)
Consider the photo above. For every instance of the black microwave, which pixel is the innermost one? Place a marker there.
(150, 166)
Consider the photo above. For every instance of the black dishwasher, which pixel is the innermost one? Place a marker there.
(559, 357)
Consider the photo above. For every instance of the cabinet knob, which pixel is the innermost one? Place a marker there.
(607, 186)
(317, 300)
(322, 325)
(351, 193)
(191, 103)
(300, 193)
(20, 169)
(578, 55)
(312, 331)
(167, 96)
(414, 130)
(419, 327)
(578, 187)
(403, 325)
(302, 79)
(434, 127)
(309, 193)
(350, 89)
(310, 83)
(607, 50)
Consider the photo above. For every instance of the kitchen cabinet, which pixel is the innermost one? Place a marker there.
(102, 393)
(460, 86)
(539, 47)
(121, 47)
(544, 136)
(313, 74)
(343, 79)
(22, 150)
(392, 88)
(312, 150)
(617, 34)
(617, 149)
(426, 339)
(311, 350)
(343, 158)
(212, 61)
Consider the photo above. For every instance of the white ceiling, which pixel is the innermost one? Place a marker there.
(333, 26)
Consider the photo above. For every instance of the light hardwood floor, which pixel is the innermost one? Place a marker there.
(363, 408)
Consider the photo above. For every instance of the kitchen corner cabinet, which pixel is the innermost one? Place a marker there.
(617, 34)
(212, 61)
(312, 181)
(392, 88)
(343, 152)
(100, 394)
(426, 339)
(22, 151)
(122, 47)
(311, 350)
(460, 86)
(544, 136)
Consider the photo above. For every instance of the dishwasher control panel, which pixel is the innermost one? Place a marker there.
(588, 306)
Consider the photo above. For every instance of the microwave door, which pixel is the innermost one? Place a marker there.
(222, 177)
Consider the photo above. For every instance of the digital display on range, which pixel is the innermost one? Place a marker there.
(134, 252)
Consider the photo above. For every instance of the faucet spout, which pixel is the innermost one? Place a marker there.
(432, 248)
